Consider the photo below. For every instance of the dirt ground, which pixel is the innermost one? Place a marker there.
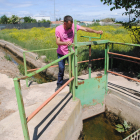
(8, 71)
(8, 67)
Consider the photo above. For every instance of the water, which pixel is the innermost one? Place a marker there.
(100, 128)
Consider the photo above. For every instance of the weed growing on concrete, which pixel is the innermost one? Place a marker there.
(21, 69)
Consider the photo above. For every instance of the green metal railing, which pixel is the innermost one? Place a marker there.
(107, 52)
(24, 60)
(90, 52)
(73, 72)
(19, 94)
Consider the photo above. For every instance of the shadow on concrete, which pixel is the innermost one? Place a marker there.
(124, 90)
(36, 136)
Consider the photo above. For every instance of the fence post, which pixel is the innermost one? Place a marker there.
(73, 73)
(106, 66)
(89, 61)
(112, 58)
(75, 43)
(21, 109)
(25, 67)
(70, 71)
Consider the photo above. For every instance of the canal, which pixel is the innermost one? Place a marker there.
(39, 78)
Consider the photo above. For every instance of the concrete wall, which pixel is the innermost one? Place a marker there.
(123, 108)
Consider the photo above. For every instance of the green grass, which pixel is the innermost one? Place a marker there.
(8, 57)
(21, 69)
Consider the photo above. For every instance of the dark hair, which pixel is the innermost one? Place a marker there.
(68, 18)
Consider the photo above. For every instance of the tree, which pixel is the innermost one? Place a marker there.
(108, 20)
(97, 20)
(59, 19)
(131, 6)
(27, 19)
(113, 19)
(13, 20)
(56, 19)
(34, 21)
(49, 21)
(93, 20)
(4, 19)
(43, 21)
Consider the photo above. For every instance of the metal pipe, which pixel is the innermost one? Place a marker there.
(73, 74)
(75, 63)
(39, 68)
(124, 55)
(89, 61)
(70, 72)
(123, 76)
(137, 45)
(127, 60)
(105, 65)
(48, 100)
(112, 57)
(41, 50)
(67, 64)
(21, 109)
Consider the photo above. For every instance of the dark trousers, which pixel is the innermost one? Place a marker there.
(61, 69)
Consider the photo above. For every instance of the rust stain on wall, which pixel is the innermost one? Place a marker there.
(98, 78)
(80, 83)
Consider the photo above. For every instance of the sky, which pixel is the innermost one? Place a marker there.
(85, 10)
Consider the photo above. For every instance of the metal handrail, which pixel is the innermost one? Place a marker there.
(129, 44)
(92, 37)
(124, 55)
(20, 99)
(45, 67)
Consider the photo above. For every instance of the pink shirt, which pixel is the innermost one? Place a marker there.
(64, 35)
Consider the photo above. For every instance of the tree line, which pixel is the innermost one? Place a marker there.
(104, 20)
(16, 20)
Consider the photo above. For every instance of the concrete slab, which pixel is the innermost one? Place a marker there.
(57, 120)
